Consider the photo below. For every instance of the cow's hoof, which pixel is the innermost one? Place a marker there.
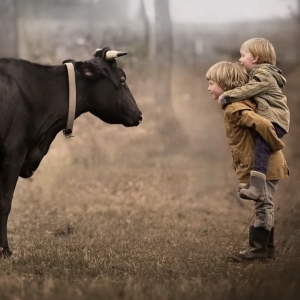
(6, 253)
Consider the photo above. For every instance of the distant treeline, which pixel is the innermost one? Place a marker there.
(73, 9)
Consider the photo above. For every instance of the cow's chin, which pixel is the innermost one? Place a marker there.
(131, 124)
(127, 121)
(26, 174)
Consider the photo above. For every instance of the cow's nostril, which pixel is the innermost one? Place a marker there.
(141, 118)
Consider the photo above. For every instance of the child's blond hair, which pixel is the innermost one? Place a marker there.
(262, 48)
(227, 75)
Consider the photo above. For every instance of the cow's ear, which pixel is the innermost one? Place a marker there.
(87, 69)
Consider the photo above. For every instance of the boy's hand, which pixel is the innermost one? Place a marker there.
(223, 101)
(221, 97)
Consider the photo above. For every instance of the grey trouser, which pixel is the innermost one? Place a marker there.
(264, 211)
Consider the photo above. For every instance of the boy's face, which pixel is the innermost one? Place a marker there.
(248, 60)
(214, 89)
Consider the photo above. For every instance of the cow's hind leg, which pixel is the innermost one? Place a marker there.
(10, 168)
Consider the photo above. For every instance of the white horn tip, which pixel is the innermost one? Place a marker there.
(122, 53)
(111, 54)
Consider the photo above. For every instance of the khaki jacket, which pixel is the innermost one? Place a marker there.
(265, 85)
(241, 122)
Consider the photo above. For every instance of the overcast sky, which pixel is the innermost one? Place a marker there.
(212, 11)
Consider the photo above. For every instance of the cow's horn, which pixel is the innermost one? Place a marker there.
(111, 54)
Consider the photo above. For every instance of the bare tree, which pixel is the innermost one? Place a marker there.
(147, 29)
(8, 28)
(297, 16)
(164, 53)
(170, 127)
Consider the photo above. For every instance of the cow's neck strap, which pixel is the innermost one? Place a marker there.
(72, 100)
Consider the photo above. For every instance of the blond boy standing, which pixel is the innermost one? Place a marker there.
(241, 123)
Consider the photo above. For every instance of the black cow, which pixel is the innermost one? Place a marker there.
(34, 103)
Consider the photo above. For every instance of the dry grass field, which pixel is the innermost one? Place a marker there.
(113, 214)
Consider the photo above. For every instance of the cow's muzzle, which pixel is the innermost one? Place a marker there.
(130, 122)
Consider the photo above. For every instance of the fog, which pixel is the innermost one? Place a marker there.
(150, 212)
(220, 11)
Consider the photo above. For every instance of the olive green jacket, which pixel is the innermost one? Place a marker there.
(241, 122)
(265, 85)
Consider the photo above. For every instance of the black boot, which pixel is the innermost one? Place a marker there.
(258, 241)
(271, 246)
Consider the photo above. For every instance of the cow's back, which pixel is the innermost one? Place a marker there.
(18, 89)
(8, 93)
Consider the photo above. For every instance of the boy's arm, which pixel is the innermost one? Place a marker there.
(259, 84)
(264, 127)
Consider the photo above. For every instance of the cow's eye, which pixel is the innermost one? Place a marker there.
(122, 80)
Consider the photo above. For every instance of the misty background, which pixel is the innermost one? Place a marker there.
(166, 186)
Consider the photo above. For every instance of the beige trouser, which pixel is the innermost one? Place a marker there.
(264, 211)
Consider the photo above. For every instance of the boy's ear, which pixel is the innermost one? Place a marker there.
(256, 58)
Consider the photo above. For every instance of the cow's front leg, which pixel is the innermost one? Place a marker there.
(5, 207)
(9, 174)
